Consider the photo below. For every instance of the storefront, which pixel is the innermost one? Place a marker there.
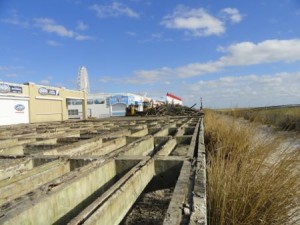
(14, 104)
(31, 103)
(119, 103)
(98, 105)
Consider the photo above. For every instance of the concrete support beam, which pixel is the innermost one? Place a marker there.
(108, 147)
(113, 205)
(180, 131)
(199, 214)
(167, 148)
(24, 141)
(12, 150)
(76, 148)
(5, 143)
(175, 210)
(55, 206)
(12, 167)
(193, 152)
(162, 132)
(28, 181)
(142, 147)
(140, 133)
(92, 172)
(46, 141)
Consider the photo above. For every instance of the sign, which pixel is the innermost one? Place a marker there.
(118, 99)
(5, 88)
(46, 91)
(16, 89)
(19, 107)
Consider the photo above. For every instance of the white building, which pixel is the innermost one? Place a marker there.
(97, 107)
(172, 99)
(103, 105)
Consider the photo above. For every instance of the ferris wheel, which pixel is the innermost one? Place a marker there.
(83, 80)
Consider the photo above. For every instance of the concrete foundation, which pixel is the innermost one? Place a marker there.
(102, 171)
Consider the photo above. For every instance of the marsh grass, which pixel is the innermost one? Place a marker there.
(283, 118)
(246, 184)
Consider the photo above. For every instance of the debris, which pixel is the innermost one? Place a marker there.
(173, 110)
(186, 211)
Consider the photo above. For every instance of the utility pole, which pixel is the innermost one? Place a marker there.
(201, 106)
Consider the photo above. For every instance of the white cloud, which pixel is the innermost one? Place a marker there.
(240, 54)
(197, 69)
(269, 51)
(249, 90)
(10, 68)
(116, 9)
(227, 91)
(156, 37)
(83, 37)
(15, 19)
(130, 33)
(233, 14)
(12, 75)
(45, 82)
(50, 26)
(3, 68)
(149, 76)
(53, 43)
(82, 26)
(246, 54)
(196, 22)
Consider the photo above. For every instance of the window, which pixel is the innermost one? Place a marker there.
(99, 101)
(90, 101)
(77, 102)
(107, 102)
(73, 112)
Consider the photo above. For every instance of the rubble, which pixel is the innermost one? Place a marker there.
(173, 110)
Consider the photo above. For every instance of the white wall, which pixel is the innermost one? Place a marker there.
(175, 101)
(13, 111)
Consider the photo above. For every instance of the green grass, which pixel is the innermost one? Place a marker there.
(247, 183)
(283, 118)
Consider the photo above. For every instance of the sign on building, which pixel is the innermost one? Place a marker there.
(118, 99)
(6, 88)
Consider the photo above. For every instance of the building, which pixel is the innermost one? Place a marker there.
(172, 99)
(103, 105)
(98, 105)
(32, 103)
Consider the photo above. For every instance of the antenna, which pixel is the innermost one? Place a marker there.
(83, 80)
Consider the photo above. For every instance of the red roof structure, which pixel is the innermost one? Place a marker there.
(173, 96)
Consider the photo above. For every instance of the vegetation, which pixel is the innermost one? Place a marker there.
(285, 118)
(249, 182)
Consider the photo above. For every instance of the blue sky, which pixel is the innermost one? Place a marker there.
(232, 53)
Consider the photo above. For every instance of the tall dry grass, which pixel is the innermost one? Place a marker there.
(283, 118)
(248, 182)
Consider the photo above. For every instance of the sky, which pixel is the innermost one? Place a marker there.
(232, 53)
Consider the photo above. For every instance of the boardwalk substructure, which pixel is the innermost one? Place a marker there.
(147, 170)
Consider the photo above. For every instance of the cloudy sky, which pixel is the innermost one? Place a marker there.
(231, 53)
